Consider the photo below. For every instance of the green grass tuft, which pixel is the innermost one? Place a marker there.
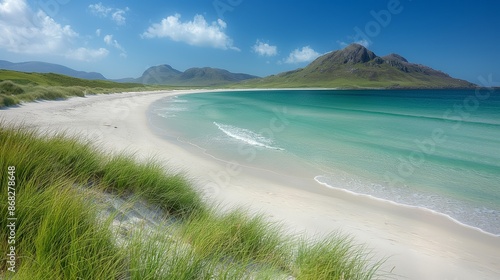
(10, 88)
(335, 257)
(58, 235)
(8, 101)
(156, 255)
(171, 193)
(238, 236)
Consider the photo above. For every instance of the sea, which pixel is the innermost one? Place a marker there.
(433, 149)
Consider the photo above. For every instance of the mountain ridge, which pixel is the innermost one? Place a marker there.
(45, 67)
(357, 67)
(206, 76)
(156, 75)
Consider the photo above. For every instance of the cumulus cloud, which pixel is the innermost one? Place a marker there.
(117, 15)
(196, 32)
(306, 54)
(108, 39)
(264, 49)
(85, 54)
(26, 31)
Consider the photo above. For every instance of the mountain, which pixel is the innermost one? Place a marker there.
(357, 67)
(166, 75)
(44, 67)
(212, 76)
(161, 74)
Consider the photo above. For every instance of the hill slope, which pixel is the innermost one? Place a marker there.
(51, 79)
(44, 67)
(17, 87)
(166, 75)
(357, 67)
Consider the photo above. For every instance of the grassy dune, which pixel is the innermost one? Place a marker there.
(60, 234)
(17, 87)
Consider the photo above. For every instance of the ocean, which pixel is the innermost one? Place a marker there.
(435, 149)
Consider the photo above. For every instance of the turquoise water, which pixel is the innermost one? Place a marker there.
(434, 149)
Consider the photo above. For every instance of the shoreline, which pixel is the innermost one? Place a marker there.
(419, 208)
(183, 144)
(300, 169)
(430, 211)
(423, 245)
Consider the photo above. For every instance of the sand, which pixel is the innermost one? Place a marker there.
(419, 244)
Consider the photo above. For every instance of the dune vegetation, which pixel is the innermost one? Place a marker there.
(62, 231)
(17, 87)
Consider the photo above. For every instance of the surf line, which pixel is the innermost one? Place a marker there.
(247, 136)
(222, 178)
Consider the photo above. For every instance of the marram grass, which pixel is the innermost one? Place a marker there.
(172, 193)
(61, 233)
(58, 236)
(334, 257)
(238, 236)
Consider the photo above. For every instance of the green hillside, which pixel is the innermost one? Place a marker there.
(17, 87)
(50, 79)
(357, 67)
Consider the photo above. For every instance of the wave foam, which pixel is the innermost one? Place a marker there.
(477, 219)
(247, 136)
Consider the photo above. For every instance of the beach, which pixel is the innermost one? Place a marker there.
(418, 243)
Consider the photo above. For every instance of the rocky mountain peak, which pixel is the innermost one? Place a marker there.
(351, 54)
(356, 53)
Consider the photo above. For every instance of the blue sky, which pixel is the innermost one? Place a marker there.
(123, 38)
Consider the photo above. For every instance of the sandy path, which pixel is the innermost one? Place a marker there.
(420, 244)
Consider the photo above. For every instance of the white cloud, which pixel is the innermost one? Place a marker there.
(306, 54)
(98, 32)
(365, 43)
(85, 54)
(25, 31)
(108, 39)
(99, 9)
(222, 23)
(117, 15)
(196, 32)
(10, 10)
(265, 49)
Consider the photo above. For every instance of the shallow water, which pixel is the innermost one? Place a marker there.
(434, 149)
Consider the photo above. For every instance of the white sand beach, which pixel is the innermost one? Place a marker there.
(419, 244)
